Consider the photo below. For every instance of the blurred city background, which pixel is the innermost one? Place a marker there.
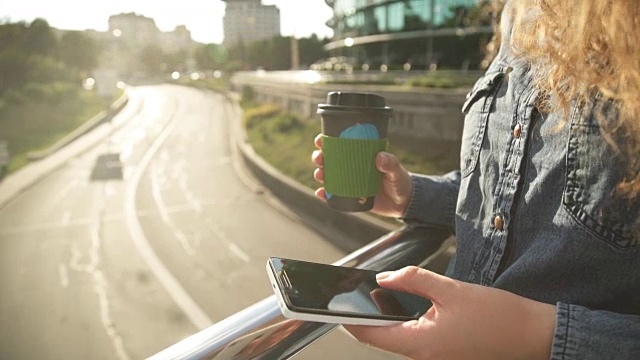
(129, 219)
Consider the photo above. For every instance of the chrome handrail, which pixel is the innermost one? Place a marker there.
(261, 332)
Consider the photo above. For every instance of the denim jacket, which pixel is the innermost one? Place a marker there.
(535, 213)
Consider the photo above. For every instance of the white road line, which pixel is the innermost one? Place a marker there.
(63, 274)
(192, 310)
(66, 217)
(238, 252)
(91, 267)
(195, 203)
(164, 214)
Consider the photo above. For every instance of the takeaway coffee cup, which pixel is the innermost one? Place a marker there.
(354, 130)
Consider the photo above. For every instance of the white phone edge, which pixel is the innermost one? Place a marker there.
(323, 318)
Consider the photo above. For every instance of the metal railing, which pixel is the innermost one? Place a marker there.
(261, 332)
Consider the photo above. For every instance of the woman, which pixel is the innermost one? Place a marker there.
(545, 205)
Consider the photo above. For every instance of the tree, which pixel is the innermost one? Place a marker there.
(11, 36)
(211, 56)
(151, 59)
(15, 70)
(275, 53)
(78, 51)
(39, 39)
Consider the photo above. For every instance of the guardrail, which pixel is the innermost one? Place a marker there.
(261, 332)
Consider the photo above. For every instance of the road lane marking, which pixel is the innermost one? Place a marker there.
(63, 274)
(238, 252)
(92, 268)
(164, 214)
(192, 310)
(66, 217)
(195, 203)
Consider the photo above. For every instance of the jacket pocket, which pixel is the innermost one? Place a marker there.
(476, 109)
(594, 169)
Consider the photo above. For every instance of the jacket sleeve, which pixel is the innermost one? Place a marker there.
(592, 334)
(433, 200)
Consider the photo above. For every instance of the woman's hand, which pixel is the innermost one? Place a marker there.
(395, 192)
(467, 321)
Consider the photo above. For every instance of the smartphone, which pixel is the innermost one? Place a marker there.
(340, 295)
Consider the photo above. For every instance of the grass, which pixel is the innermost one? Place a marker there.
(442, 80)
(36, 125)
(286, 141)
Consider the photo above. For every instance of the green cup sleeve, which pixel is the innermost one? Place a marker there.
(349, 166)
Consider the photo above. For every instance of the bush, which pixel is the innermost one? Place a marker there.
(432, 82)
(255, 115)
(51, 93)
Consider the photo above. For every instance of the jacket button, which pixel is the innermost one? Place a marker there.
(517, 131)
(498, 222)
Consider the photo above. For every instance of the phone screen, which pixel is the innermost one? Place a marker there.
(321, 288)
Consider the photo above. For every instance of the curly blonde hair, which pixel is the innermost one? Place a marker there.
(583, 47)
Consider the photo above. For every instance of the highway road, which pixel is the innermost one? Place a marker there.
(144, 238)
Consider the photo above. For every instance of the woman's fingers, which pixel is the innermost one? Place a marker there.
(318, 141)
(415, 280)
(318, 175)
(317, 158)
(321, 193)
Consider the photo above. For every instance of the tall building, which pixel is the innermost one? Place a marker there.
(134, 28)
(139, 31)
(246, 21)
(410, 33)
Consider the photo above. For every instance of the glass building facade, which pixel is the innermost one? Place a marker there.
(441, 33)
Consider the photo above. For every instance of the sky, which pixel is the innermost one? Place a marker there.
(203, 18)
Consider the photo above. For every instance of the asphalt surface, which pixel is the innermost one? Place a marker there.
(142, 233)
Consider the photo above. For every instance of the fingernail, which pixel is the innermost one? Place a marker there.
(384, 159)
(383, 275)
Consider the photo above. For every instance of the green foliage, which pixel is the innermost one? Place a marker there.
(211, 57)
(311, 50)
(151, 59)
(283, 140)
(15, 70)
(39, 39)
(286, 142)
(42, 123)
(442, 80)
(32, 53)
(275, 53)
(432, 82)
(248, 94)
(255, 114)
(41, 97)
(52, 93)
(78, 51)
(233, 66)
(47, 69)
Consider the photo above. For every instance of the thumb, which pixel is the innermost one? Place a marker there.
(418, 281)
(388, 163)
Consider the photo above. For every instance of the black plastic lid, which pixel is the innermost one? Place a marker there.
(339, 98)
